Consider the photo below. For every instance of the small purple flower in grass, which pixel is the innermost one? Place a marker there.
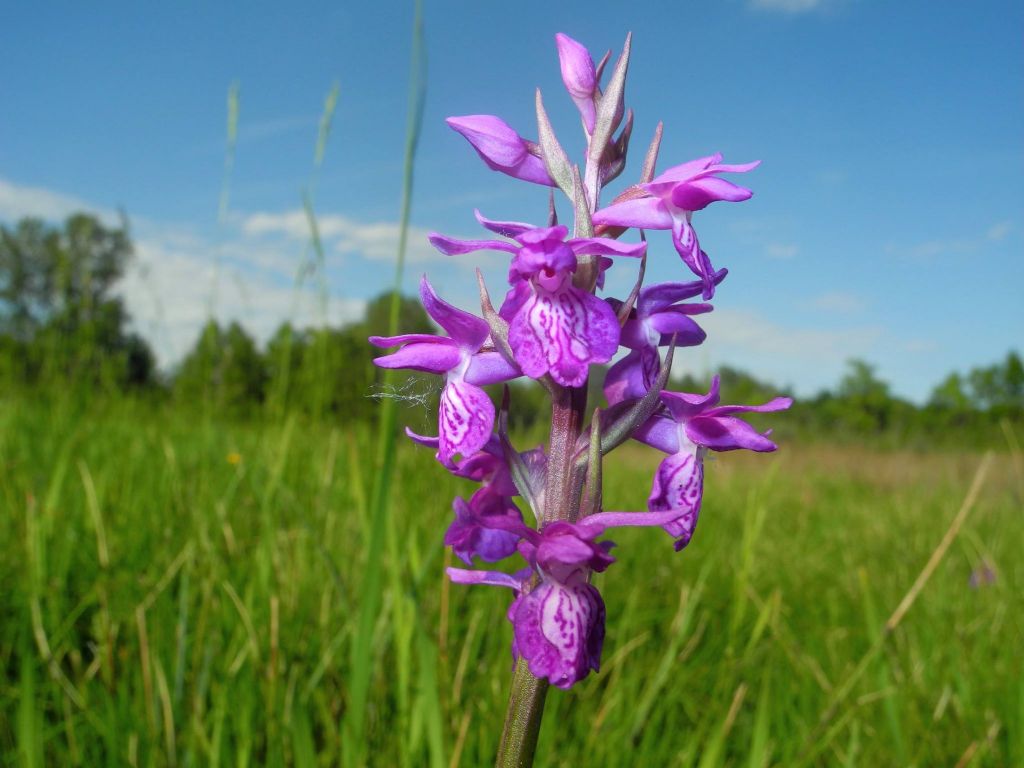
(658, 316)
(554, 327)
(558, 622)
(668, 202)
(466, 417)
(687, 429)
(502, 148)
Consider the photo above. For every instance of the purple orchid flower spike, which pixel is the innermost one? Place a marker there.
(579, 76)
(554, 327)
(658, 316)
(502, 148)
(559, 621)
(687, 429)
(466, 417)
(668, 202)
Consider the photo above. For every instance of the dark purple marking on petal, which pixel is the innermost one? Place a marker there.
(559, 631)
(678, 486)
(563, 332)
(465, 419)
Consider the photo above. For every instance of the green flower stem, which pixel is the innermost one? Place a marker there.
(526, 702)
(522, 721)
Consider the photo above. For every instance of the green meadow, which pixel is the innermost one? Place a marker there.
(184, 589)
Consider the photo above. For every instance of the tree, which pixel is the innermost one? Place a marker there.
(224, 371)
(57, 302)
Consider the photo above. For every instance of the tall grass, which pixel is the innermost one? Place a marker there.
(190, 594)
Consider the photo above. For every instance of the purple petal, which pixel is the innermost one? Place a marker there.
(393, 341)
(659, 432)
(727, 433)
(669, 322)
(559, 631)
(578, 72)
(505, 228)
(424, 440)
(683, 405)
(678, 486)
(563, 333)
(435, 357)
(470, 534)
(532, 169)
(687, 170)
(700, 193)
(602, 521)
(642, 213)
(632, 376)
(516, 297)
(604, 246)
(661, 295)
(537, 235)
(579, 76)
(494, 140)
(467, 330)
(465, 420)
(776, 404)
(490, 368)
(451, 246)
(734, 168)
(492, 578)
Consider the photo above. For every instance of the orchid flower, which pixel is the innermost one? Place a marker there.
(658, 317)
(558, 616)
(668, 202)
(554, 326)
(466, 416)
(502, 148)
(687, 429)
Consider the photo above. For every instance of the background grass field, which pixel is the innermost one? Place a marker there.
(183, 590)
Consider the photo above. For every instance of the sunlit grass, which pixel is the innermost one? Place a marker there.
(188, 593)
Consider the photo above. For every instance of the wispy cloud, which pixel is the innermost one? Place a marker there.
(175, 285)
(787, 6)
(18, 201)
(930, 250)
(808, 358)
(781, 251)
(999, 231)
(838, 302)
(376, 241)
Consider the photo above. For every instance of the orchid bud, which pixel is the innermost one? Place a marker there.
(579, 76)
(501, 147)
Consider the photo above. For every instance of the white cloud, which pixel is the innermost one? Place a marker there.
(808, 358)
(175, 285)
(18, 201)
(930, 250)
(838, 302)
(781, 251)
(787, 6)
(999, 230)
(377, 241)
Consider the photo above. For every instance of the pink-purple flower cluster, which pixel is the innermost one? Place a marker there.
(552, 327)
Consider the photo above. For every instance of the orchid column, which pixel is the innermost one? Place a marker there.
(551, 327)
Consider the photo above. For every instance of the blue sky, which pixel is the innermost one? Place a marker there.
(886, 222)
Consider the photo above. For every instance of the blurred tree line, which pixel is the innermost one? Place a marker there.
(63, 326)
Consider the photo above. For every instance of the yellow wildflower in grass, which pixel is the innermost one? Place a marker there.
(234, 458)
